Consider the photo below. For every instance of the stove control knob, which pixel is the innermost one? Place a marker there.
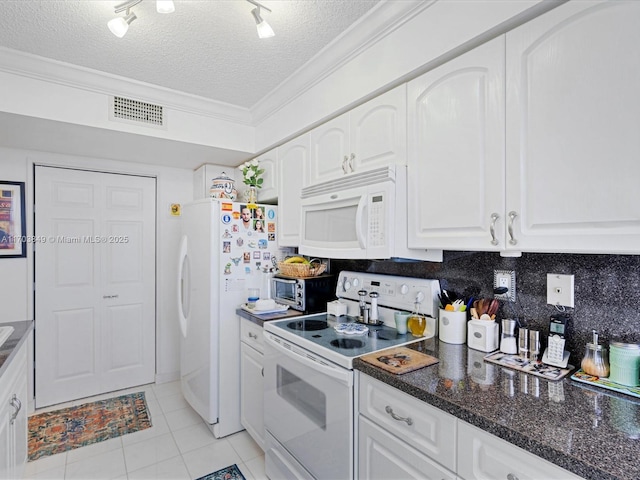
(346, 285)
(356, 282)
(404, 289)
(419, 297)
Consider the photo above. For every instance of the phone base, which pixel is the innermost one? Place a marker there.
(562, 364)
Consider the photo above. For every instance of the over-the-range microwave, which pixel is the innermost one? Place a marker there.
(359, 216)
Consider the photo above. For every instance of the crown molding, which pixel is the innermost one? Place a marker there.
(53, 71)
(378, 23)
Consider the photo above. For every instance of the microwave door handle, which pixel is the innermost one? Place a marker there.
(284, 280)
(360, 217)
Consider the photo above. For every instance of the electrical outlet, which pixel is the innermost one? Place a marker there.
(560, 289)
(504, 279)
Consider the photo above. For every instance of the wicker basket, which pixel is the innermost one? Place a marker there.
(301, 270)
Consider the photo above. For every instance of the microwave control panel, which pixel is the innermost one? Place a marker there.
(393, 291)
(376, 220)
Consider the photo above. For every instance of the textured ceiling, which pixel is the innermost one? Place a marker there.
(208, 48)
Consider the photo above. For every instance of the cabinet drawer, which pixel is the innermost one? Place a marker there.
(431, 431)
(251, 334)
(485, 456)
(384, 456)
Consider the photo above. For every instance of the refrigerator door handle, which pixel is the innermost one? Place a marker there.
(183, 286)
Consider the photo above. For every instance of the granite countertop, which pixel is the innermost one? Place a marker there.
(18, 337)
(260, 319)
(592, 432)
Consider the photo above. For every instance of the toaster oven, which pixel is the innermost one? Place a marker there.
(308, 295)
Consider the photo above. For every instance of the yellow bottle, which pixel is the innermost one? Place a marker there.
(416, 324)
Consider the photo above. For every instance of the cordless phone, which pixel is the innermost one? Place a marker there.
(555, 353)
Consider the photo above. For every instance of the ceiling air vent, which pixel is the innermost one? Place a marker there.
(138, 112)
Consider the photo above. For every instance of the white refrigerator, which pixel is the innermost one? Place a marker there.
(224, 249)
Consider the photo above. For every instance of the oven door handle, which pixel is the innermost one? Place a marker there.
(342, 375)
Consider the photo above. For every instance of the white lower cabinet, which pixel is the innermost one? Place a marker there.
(402, 437)
(251, 381)
(382, 455)
(489, 457)
(13, 417)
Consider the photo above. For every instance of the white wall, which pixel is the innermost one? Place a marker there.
(328, 83)
(43, 88)
(174, 185)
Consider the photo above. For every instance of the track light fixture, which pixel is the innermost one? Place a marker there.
(120, 25)
(165, 6)
(264, 29)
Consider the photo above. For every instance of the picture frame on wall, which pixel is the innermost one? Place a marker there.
(12, 220)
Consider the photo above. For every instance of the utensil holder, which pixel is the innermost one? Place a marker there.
(453, 327)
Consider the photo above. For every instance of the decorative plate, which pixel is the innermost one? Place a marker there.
(351, 328)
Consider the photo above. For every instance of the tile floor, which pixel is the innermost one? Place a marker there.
(178, 446)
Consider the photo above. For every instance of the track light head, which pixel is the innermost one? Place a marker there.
(264, 29)
(120, 25)
(165, 6)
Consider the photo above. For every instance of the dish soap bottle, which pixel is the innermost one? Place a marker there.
(595, 361)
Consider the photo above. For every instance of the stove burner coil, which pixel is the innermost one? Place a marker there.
(347, 343)
(308, 325)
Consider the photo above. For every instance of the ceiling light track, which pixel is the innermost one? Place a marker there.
(120, 25)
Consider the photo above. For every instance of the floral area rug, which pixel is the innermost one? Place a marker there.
(74, 427)
(230, 473)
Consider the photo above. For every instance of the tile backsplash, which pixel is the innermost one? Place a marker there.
(607, 288)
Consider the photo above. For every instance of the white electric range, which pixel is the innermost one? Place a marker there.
(308, 372)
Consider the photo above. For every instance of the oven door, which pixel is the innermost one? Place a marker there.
(308, 404)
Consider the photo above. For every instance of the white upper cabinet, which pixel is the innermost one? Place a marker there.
(559, 173)
(455, 169)
(329, 150)
(369, 136)
(293, 162)
(573, 117)
(378, 131)
(269, 191)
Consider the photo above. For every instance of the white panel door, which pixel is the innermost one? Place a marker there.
(455, 171)
(95, 283)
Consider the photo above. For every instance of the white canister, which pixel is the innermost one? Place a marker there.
(482, 335)
(452, 327)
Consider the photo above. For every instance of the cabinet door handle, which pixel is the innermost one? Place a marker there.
(17, 404)
(492, 228)
(110, 296)
(262, 372)
(512, 217)
(345, 164)
(253, 335)
(389, 410)
(351, 159)
(512, 476)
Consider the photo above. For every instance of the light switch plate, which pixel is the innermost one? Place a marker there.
(560, 289)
